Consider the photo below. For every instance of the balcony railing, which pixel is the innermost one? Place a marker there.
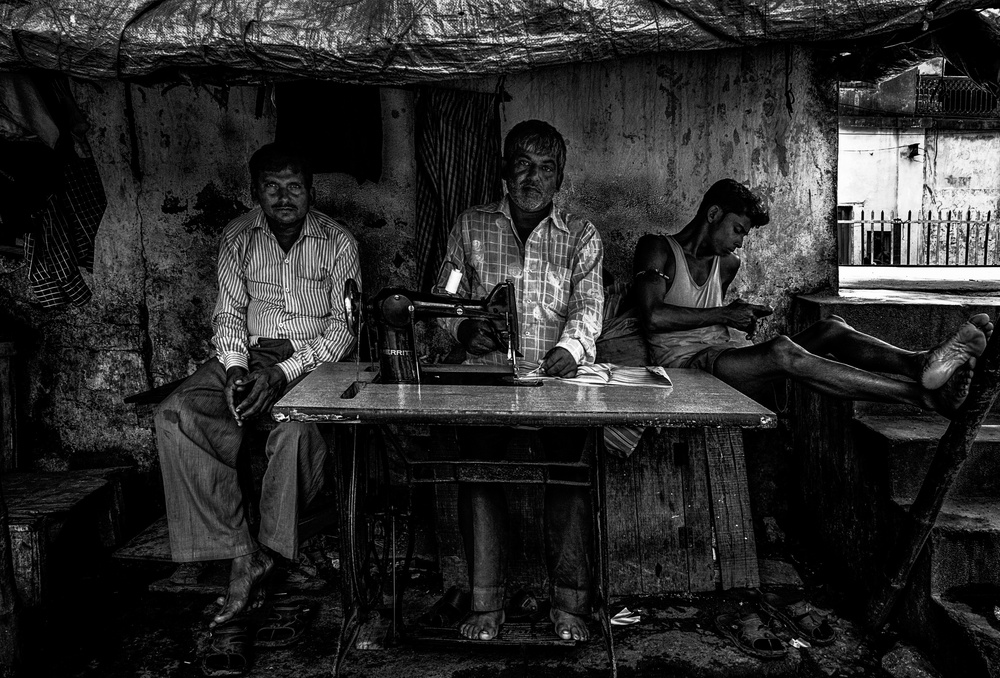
(947, 238)
(954, 96)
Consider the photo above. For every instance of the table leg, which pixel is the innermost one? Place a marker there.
(598, 480)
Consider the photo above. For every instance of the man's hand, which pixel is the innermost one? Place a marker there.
(235, 389)
(559, 363)
(743, 316)
(477, 336)
(266, 387)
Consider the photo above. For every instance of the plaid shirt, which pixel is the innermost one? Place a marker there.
(557, 273)
(266, 293)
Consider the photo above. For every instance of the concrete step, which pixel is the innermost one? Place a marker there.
(909, 443)
(964, 547)
(969, 610)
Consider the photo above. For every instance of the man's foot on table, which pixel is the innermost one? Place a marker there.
(246, 578)
(482, 625)
(569, 626)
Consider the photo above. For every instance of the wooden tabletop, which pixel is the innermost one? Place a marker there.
(341, 392)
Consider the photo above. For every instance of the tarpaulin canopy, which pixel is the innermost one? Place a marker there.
(407, 41)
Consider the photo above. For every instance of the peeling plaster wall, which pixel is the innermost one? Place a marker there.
(962, 171)
(646, 136)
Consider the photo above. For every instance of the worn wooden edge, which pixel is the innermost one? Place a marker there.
(332, 415)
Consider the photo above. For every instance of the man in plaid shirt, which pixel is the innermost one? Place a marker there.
(555, 261)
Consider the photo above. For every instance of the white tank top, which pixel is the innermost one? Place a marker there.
(672, 349)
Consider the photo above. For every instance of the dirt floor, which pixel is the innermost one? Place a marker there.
(134, 619)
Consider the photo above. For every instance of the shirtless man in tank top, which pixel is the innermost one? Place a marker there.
(677, 301)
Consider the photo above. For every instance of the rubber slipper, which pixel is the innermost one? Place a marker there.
(230, 649)
(751, 635)
(285, 623)
(801, 618)
(525, 607)
(447, 611)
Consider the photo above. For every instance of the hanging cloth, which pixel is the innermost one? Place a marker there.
(458, 166)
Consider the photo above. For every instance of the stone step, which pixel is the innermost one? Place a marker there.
(964, 546)
(51, 515)
(910, 442)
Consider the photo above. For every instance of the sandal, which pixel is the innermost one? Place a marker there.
(751, 635)
(229, 651)
(447, 611)
(801, 618)
(285, 623)
(525, 607)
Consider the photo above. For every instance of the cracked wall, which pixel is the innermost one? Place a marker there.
(645, 137)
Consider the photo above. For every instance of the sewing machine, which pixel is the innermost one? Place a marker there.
(393, 314)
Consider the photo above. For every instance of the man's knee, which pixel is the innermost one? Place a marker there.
(297, 438)
(786, 354)
(170, 410)
(832, 326)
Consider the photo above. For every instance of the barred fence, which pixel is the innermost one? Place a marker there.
(949, 238)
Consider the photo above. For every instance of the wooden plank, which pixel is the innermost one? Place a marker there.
(661, 516)
(153, 543)
(8, 411)
(622, 501)
(697, 515)
(697, 399)
(659, 525)
(735, 546)
(29, 551)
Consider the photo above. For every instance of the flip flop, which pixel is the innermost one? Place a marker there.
(285, 623)
(751, 635)
(447, 611)
(230, 649)
(801, 618)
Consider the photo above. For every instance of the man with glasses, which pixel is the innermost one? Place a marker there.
(279, 314)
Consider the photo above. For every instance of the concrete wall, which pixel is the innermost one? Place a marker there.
(646, 136)
(962, 171)
(875, 171)
(954, 170)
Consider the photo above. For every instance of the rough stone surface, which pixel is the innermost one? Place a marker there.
(903, 661)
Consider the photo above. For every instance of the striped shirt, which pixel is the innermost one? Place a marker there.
(266, 293)
(557, 276)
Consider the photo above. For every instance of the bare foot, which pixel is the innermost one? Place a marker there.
(482, 625)
(947, 399)
(569, 626)
(245, 578)
(942, 361)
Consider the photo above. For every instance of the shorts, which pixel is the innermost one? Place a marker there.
(705, 358)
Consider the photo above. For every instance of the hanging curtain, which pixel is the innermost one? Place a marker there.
(458, 166)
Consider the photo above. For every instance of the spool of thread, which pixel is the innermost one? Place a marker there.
(454, 278)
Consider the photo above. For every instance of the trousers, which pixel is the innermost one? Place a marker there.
(199, 441)
(482, 511)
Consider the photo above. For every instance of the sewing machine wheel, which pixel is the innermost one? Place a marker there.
(352, 306)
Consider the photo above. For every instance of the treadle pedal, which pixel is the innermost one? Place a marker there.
(512, 633)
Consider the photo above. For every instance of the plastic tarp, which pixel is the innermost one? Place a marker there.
(407, 41)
